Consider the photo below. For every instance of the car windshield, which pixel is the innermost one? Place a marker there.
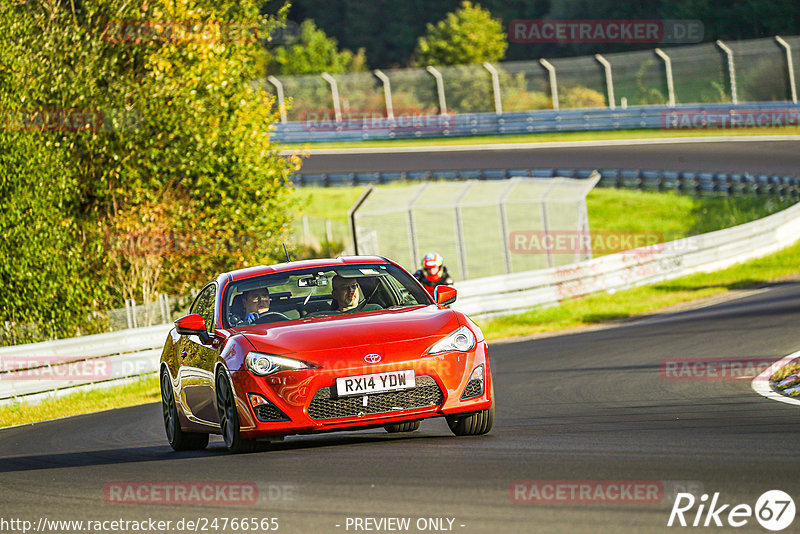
(320, 292)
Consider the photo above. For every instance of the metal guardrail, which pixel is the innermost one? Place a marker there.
(499, 295)
(681, 117)
(36, 368)
(700, 183)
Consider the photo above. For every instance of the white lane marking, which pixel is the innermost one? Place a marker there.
(534, 145)
(760, 383)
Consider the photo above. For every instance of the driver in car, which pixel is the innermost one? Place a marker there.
(346, 292)
(256, 301)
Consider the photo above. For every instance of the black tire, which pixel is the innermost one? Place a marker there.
(473, 424)
(409, 426)
(178, 439)
(229, 418)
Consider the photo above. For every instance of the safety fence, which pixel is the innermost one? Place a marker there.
(472, 222)
(441, 101)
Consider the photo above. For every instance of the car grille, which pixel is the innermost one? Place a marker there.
(474, 389)
(426, 394)
(268, 413)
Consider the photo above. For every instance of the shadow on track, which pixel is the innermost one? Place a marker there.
(161, 453)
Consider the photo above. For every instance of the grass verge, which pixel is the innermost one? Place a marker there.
(603, 307)
(139, 392)
(544, 138)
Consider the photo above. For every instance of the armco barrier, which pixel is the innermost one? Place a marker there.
(41, 367)
(708, 252)
(681, 117)
(695, 183)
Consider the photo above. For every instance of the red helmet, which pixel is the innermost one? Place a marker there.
(432, 265)
(431, 260)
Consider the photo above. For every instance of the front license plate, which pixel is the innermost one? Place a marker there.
(375, 383)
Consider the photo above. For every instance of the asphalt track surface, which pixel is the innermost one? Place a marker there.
(771, 157)
(594, 406)
(582, 407)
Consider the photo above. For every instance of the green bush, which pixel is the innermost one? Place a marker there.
(313, 53)
(581, 97)
(183, 147)
(467, 35)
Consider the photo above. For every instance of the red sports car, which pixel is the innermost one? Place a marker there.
(321, 345)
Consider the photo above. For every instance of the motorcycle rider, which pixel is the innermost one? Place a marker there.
(433, 272)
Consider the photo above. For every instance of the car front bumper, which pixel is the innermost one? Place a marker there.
(300, 402)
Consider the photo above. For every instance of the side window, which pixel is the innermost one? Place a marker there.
(204, 305)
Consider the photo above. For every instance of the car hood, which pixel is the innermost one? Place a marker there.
(373, 329)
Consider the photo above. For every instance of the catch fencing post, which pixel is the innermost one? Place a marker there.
(306, 231)
(329, 230)
(387, 92)
(130, 313)
(462, 252)
(412, 229)
(439, 89)
(504, 223)
(163, 304)
(281, 100)
(790, 66)
(670, 82)
(545, 223)
(731, 70)
(551, 70)
(609, 80)
(337, 107)
(498, 102)
(351, 216)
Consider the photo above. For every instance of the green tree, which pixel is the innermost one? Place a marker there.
(42, 268)
(467, 35)
(314, 53)
(171, 137)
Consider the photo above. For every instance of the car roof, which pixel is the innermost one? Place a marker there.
(250, 272)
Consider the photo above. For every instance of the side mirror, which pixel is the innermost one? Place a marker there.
(444, 295)
(193, 324)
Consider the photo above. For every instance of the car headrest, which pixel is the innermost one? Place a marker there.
(237, 305)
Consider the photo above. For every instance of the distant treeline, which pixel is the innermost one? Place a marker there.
(388, 29)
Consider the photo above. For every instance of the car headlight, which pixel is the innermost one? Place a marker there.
(263, 364)
(462, 339)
